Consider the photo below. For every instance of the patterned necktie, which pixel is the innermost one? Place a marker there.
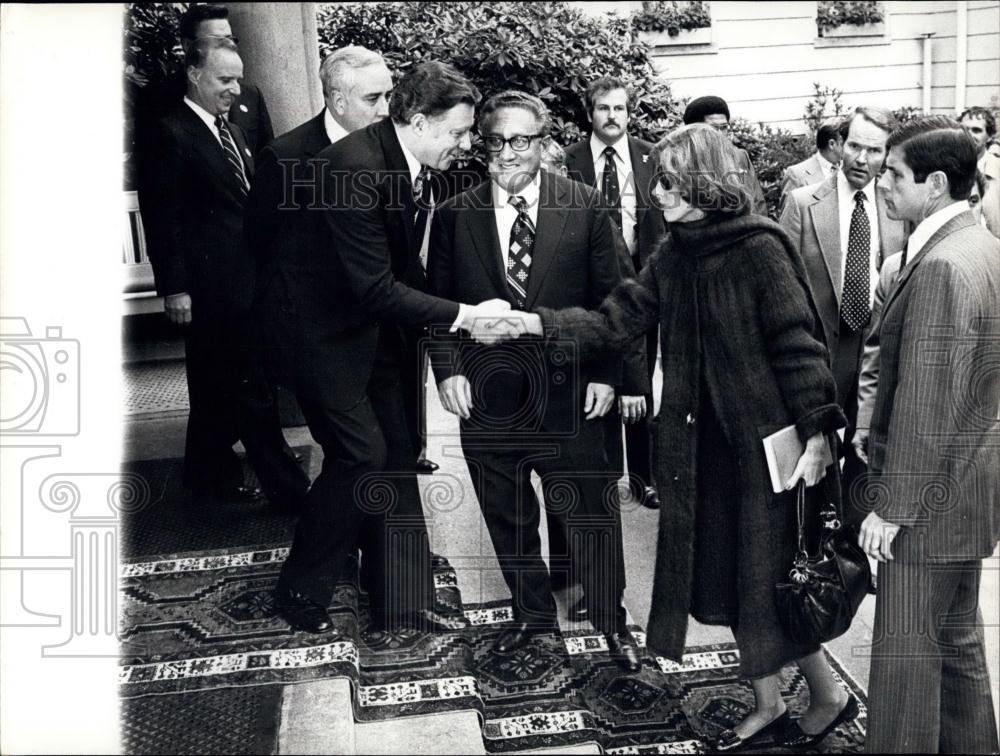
(854, 305)
(422, 200)
(522, 242)
(232, 154)
(610, 188)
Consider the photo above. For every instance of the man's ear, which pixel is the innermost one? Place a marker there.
(339, 101)
(419, 122)
(939, 183)
(193, 74)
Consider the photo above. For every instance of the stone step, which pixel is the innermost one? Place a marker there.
(453, 732)
(317, 717)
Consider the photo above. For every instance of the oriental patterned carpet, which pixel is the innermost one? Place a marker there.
(204, 657)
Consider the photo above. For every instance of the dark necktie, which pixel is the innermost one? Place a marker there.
(854, 304)
(421, 200)
(232, 154)
(610, 188)
(522, 242)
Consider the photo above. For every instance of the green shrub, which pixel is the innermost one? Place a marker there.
(771, 150)
(671, 18)
(833, 13)
(547, 48)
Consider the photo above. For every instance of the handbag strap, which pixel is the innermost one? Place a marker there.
(800, 517)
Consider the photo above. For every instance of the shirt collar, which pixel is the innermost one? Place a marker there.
(411, 160)
(825, 165)
(931, 224)
(334, 131)
(203, 114)
(597, 148)
(846, 192)
(530, 193)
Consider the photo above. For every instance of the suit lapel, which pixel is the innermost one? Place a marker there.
(211, 151)
(316, 139)
(399, 177)
(826, 221)
(552, 217)
(480, 220)
(582, 164)
(642, 174)
(960, 221)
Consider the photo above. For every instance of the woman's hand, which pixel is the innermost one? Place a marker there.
(810, 467)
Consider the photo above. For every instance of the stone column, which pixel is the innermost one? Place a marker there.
(280, 51)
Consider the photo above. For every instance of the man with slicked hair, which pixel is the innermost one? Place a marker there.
(366, 198)
(935, 462)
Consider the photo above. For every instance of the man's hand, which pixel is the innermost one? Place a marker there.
(480, 320)
(456, 395)
(810, 465)
(178, 308)
(632, 408)
(599, 399)
(860, 443)
(876, 537)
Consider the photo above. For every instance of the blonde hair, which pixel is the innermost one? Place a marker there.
(703, 165)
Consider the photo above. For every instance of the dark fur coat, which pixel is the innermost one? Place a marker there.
(737, 319)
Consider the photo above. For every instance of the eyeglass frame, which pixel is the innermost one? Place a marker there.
(510, 141)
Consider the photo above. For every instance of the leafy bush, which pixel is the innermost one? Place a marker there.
(833, 13)
(547, 48)
(824, 104)
(671, 18)
(771, 150)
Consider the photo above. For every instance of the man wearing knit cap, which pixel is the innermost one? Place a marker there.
(715, 112)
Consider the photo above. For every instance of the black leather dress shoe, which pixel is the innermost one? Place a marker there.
(438, 562)
(239, 494)
(795, 737)
(650, 498)
(301, 612)
(578, 612)
(518, 634)
(625, 651)
(426, 467)
(728, 740)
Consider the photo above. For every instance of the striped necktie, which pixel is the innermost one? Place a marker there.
(610, 188)
(232, 154)
(522, 243)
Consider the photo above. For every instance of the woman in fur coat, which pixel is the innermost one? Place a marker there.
(743, 356)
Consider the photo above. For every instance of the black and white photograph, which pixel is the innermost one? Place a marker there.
(500, 377)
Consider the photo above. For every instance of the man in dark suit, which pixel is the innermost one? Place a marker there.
(934, 455)
(192, 198)
(533, 238)
(844, 234)
(287, 238)
(715, 112)
(356, 219)
(622, 168)
(203, 21)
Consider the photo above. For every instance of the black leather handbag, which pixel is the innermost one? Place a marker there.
(824, 591)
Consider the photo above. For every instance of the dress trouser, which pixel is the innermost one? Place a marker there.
(232, 400)
(929, 689)
(579, 493)
(366, 493)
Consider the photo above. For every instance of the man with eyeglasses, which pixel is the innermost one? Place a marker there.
(844, 234)
(204, 21)
(534, 238)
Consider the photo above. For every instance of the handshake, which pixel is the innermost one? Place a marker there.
(492, 322)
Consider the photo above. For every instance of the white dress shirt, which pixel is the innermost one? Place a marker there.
(505, 214)
(209, 120)
(826, 166)
(845, 205)
(334, 131)
(626, 182)
(930, 225)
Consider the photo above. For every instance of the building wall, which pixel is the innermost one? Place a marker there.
(765, 57)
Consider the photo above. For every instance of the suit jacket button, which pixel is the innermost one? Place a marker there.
(690, 419)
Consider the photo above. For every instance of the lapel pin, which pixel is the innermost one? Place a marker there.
(645, 158)
(244, 108)
(247, 151)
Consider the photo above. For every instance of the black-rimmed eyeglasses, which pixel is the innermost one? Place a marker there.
(518, 142)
